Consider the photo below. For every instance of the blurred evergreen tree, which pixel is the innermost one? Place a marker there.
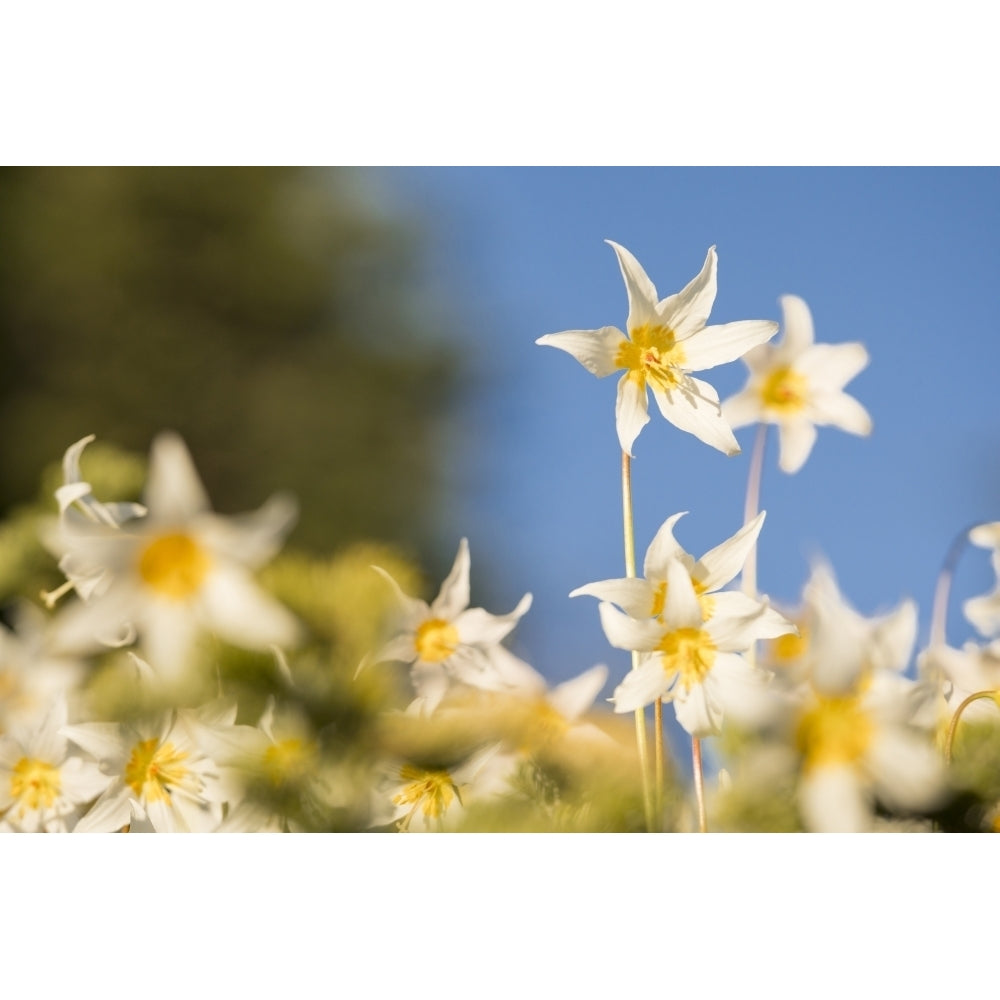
(267, 314)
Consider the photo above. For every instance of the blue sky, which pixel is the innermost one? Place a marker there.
(904, 260)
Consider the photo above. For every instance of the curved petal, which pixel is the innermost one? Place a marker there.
(834, 800)
(631, 411)
(626, 633)
(837, 409)
(596, 350)
(254, 538)
(109, 813)
(514, 672)
(173, 490)
(642, 298)
(984, 613)
(662, 549)
(573, 697)
(633, 595)
(718, 345)
(413, 610)
(907, 771)
(480, 627)
(698, 710)
(986, 535)
(744, 408)
(832, 366)
(795, 439)
(720, 565)
(797, 323)
(642, 687)
(694, 407)
(681, 607)
(688, 310)
(454, 594)
(239, 611)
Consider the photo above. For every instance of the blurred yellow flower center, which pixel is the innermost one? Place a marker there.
(652, 355)
(34, 784)
(547, 724)
(174, 565)
(289, 760)
(436, 640)
(154, 769)
(689, 652)
(788, 648)
(707, 601)
(835, 730)
(430, 791)
(785, 390)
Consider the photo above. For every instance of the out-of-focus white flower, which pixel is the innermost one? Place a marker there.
(969, 670)
(43, 787)
(160, 778)
(425, 799)
(666, 340)
(448, 640)
(984, 611)
(556, 715)
(798, 385)
(32, 676)
(689, 659)
(176, 571)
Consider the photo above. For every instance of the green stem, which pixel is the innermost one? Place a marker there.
(658, 758)
(950, 738)
(640, 713)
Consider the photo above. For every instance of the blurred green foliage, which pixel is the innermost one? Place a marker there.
(266, 314)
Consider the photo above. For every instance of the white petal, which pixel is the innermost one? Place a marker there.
(239, 611)
(796, 439)
(642, 299)
(698, 710)
(892, 638)
(641, 687)
(633, 595)
(413, 610)
(631, 412)
(720, 565)
(797, 325)
(109, 813)
(103, 740)
(744, 408)
(251, 539)
(832, 366)
(744, 692)
(688, 310)
(694, 407)
(514, 672)
(430, 681)
(627, 633)
(401, 649)
(596, 350)
(454, 594)
(837, 409)
(682, 608)
(834, 800)
(480, 627)
(907, 770)
(173, 491)
(986, 536)
(573, 697)
(984, 613)
(662, 549)
(718, 345)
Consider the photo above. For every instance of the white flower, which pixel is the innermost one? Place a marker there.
(42, 786)
(984, 612)
(448, 640)
(798, 385)
(176, 571)
(161, 779)
(666, 340)
(689, 659)
(970, 670)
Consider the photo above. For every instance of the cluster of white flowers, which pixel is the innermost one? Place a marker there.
(820, 700)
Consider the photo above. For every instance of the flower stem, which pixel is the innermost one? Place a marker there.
(751, 507)
(658, 758)
(699, 784)
(640, 713)
(950, 738)
(942, 590)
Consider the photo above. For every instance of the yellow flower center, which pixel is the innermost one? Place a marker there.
(34, 784)
(430, 791)
(688, 652)
(289, 760)
(154, 769)
(174, 565)
(785, 390)
(652, 355)
(788, 648)
(834, 730)
(706, 601)
(436, 640)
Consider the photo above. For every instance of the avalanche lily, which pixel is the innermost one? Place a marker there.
(798, 385)
(665, 341)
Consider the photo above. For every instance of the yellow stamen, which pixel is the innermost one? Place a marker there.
(289, 760)
(155, 769)
(706, 601)
(785, 390)
(34, 784)
(174, 565)
(651, 354)
(834, 730)
(436, 640)
(430, 791)
(688, 652)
